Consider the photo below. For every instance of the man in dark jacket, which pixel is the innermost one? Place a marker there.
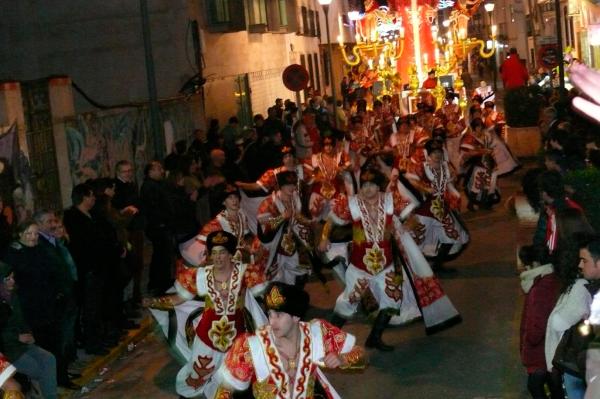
(127, 201)
(86, 247)
(159, 215)
(65, 272)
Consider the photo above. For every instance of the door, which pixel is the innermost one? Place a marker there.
(244, 101)
(40, 139)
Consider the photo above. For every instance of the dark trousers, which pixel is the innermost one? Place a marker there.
(68, 321)
(47, 336)
(161, 264)
(112, 312)
(135, 261)
(91, 312)
(537, 381)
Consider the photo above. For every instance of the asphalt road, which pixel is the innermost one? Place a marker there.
(476, 359)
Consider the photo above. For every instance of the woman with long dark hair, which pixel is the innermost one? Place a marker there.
(575, 299)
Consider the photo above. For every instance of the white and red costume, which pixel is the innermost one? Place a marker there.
(279, 238)
(371, 263)
(221, 322)
(268, 183)
(328, 181)
(438, 224)
(255, 361)
(194, 250)
(7, 370)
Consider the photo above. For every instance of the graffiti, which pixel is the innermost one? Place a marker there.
(98, 140)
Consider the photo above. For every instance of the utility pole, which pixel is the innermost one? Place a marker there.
(325, 4)
(561, 64)
(155, 123)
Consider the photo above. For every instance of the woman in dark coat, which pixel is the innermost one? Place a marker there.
(17, 341)
(37, 281)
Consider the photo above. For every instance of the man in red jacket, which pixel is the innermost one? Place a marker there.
(514, 73)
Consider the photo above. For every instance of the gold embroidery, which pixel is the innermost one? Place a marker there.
(220, 238)
(264, 390)
(374, 259)
(222, 333)
(274, 298)
(327, 190)
(287, 243)
(437, 208)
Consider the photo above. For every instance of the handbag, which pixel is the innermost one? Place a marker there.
(570, 355)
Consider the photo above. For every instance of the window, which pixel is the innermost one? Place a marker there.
(226, 15)
(257, 12)
(303, 63)
(283, 17)
(318, 24)
(218, 11)
(311, 72)
(317, 72)
(325, 58)
(311, 21)
(304, 13)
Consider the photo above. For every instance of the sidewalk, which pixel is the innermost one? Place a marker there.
(92, 368)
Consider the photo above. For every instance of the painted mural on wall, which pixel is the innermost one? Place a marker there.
(15, 173)
(98, 140)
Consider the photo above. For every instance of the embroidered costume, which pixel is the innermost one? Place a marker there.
(7, 370)
(437, 222)
(194, 250)
(328, 171)
(279, 235)
(256, 360)
(227, 307)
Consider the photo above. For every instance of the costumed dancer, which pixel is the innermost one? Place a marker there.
(403, 144)
(328, 169)
(359, 148)
(231, 219)
(267, 183)
(474, 144)
(227, 286)
(371, 265)
(284, 358)
(381, 124)
(485, 91)
(439, 233)
(495, 123)
(194, 254)
(450, 117)
(280, 225)
(306, 138)
(481, 188)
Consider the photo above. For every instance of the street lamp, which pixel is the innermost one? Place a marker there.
(325, 4)
(489, 8)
